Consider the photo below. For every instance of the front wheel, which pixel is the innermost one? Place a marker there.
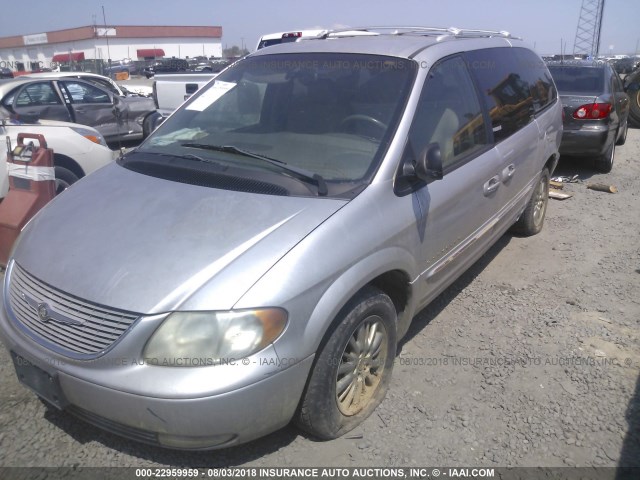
(532, 219)
(634, 107)
(352, 370)
(64, 179)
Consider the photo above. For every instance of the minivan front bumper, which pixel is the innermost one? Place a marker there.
(226, 418)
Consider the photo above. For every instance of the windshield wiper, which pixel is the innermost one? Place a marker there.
(187, 156)
(299, 173)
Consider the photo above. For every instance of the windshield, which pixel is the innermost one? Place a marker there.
(329, 115)
(578, 79)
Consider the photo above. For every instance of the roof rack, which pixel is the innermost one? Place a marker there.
(440, 32)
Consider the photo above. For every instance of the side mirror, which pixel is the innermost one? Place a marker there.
(429, 164)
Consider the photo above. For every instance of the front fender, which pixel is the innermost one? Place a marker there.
(314, 308)
(351, 281)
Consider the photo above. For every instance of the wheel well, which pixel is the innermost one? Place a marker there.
(551, 164)
(396, 285)
(60, 160)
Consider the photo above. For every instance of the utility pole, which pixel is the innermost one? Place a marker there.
(106, 36)
(587, 40)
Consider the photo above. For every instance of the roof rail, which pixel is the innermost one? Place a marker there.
(447, 32)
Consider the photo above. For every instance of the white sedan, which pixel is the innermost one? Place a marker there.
(78, 149)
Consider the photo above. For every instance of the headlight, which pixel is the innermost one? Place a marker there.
(92, 135)
(209, 338)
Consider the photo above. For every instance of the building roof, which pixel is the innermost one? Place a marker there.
(114, 31)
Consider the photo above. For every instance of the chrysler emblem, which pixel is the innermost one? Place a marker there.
(46, 313)
(43, 312)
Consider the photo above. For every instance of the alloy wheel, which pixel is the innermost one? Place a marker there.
(540, 201)
(361, 366)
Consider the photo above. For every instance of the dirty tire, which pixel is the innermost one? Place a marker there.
(64, 179)
(353, 367)
(623, 138)
(604, 163)
(634, 107)
(146, 127)
(532, 219)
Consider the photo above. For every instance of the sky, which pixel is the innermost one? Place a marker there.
(544, 24)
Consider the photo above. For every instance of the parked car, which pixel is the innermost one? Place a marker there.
(625, 65)
(203, 67)
(632, 89)
(72, 100)
(6, 72)
(166, 65)
(271, 39)
(270, 242)
(120, 89)
(78, 150)
(194, 61)
(219, 64)
(120, 66)
(596, 110)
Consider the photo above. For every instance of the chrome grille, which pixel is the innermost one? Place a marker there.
(100, 326)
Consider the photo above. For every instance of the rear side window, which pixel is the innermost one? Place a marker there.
(505, 89)
(534, 71)
(37, 94)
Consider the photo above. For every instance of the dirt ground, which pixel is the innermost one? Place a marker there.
(532, 358)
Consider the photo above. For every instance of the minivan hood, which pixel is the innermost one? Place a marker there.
(143, 244)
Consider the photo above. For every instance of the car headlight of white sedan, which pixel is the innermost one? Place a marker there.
(91, 135)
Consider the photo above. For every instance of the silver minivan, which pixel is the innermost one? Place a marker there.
(257, 259)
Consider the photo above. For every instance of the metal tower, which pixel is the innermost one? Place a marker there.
(589, 25)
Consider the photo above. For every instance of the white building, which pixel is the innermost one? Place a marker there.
(45, 50)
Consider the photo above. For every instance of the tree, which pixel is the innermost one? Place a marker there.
(234, 51)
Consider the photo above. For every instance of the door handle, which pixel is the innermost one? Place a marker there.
(508, 172)
(491, 185)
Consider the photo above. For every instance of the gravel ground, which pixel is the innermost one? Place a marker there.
(532, 358)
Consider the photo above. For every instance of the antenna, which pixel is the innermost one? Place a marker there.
(587, 40)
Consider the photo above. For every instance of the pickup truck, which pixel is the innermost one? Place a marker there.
(170, 90)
